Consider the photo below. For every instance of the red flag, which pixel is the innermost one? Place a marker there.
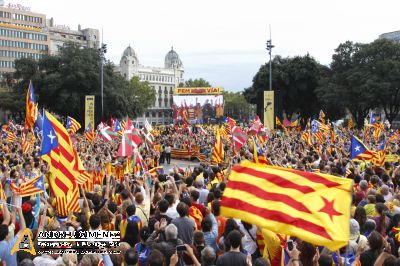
(239, 137)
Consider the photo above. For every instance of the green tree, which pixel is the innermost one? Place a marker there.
(380, 63)
(194, 83)
(348, 83)
(62, 81)
(296, 78)
(236, 106)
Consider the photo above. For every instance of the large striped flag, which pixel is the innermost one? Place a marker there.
(311, 206)
(72, 125)
(31, 108)
(62, 161)
(218, 153)
(29, 188)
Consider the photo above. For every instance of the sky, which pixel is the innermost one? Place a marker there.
(224, 41)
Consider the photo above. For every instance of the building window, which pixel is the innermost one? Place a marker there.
(170, 90)
(160, 114)
(147, 114)
(159, 102)
(165, 102)
(153, 114)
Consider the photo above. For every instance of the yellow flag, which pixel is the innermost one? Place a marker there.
(314, 207)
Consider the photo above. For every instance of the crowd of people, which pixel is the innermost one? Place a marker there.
(173, 218)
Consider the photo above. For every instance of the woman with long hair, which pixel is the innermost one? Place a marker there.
(382, 222)
(360, 216)
(131, 234)
(375, 243)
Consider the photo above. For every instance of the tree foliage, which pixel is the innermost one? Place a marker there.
(194, 83)
(62, 81)
(363, 77)
(236, 106)
(296, 78)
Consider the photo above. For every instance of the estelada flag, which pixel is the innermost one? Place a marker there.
(311, 206)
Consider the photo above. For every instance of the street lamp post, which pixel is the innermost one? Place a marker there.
(269, 48)
(102, 50)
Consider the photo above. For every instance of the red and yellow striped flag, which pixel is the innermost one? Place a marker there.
(31, 108)
(10, 136)
(26, 145)
(311, 206)
(218, 153)
(72, 125)
(62, 163)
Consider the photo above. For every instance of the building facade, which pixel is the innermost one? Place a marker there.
(394, 35)
(163, 80)
(60, 34)
(26, 34)
(22, 34)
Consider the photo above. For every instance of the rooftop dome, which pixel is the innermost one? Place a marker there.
(172, 59)
(129, 51)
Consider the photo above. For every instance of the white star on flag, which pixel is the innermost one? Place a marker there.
(51, 137)
(357, 148)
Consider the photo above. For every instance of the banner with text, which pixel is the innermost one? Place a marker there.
(89, 111)
(269, 114)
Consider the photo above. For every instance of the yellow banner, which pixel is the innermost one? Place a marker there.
(89, 111)
(269, 114)
(200, 90)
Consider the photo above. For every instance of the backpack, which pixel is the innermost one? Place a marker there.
(143, 253)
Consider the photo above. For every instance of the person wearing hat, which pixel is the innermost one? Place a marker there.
(357, 241)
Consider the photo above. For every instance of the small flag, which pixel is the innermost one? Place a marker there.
(72, 125)
(33, 186)
(89, 133)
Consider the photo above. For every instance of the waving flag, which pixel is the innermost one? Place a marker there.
(38, 129)
(379, 158)
(26, 145)
(50, 140)
(256, 127)
(239, 137)
(125, 148)
(31, 108)
(11, 136)
(218, 153)
(359, 150)
(118, 128)
(321, 116)
(301, 204)
(393, 135)
(33, 186)
(108, 134)
(89, 133)
(258, 156)
(72, 125)
(230, 121)
(62, 162)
